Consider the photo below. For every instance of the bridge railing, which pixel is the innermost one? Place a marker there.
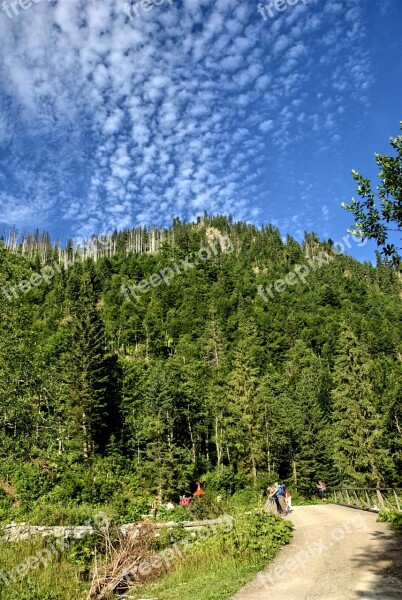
(372, 499)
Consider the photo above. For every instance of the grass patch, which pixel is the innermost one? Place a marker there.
(392, 517)
(61, 579)
(216, 568)
(209, 567)
(217, 580)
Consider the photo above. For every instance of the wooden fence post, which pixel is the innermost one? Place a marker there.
(398, 505)
(380, 499)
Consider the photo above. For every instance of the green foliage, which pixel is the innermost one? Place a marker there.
(205, 507)
(82, 554)
(255, 537)
(395, 518)
(358, 433)
(106, 402)
(218, 566)
(58, 580)
(224, 480)
(245, 499)
(378, 220)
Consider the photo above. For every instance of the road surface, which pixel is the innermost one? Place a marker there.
(337, 553)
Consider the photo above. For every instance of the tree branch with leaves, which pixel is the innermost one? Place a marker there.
(379, 214)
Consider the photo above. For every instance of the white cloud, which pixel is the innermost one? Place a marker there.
(136, 121)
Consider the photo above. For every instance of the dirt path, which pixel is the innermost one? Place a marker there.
(337, 553)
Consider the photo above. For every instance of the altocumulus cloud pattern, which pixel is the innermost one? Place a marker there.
(109, 120)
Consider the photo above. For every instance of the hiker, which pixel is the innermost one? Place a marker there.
(154, 506)
(322, 488)
(185, 501)
(273, 495)
(288, 500)
(270, 505)
(280, 497)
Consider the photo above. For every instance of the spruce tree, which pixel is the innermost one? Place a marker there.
(359, 451)
(86, 370)
(245, 409)
(278, 423)
(305, 377)
(214, 357)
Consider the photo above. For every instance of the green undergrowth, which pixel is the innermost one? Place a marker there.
(392, 517)
(62, 578)
(210, 566)
(56, 514)
(217, 567)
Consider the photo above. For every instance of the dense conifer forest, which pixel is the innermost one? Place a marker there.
(108, 395)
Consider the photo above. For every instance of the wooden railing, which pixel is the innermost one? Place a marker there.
(372, 499)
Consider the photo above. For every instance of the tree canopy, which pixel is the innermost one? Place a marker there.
(379, 218)
(105, 398)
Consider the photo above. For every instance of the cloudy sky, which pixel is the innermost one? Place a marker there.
(109, 119)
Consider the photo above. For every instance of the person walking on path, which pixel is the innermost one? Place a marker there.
(271, 504)
(288, 499)
(322, 488)
(155, 506)
(280, 496)
(276, 499)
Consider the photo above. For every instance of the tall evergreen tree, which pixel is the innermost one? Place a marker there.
(305, 377)
(278, 423)
(214, 356)
(86, 370)
(359, 451)
(245, 408)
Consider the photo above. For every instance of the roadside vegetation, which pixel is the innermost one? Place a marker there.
(211, 564)
(392, 517)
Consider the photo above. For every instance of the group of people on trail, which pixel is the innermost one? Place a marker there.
(184, 501)
(279, 499)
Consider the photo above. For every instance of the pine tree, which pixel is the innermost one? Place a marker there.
(279, 421)
(305, 377)
(214, 355)
(359, 452)
(245, 409)
(86, 370)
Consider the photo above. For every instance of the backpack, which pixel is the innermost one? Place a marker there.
(280, 491)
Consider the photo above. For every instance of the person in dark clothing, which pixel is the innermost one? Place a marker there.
(155, 506)
(280, 495)
(322, 489)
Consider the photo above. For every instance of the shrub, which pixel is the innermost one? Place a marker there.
(393, 517)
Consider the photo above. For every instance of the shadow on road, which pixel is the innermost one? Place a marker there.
(384, 567)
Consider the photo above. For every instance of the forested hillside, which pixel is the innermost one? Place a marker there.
(107, 396)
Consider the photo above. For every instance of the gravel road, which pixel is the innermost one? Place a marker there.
(337, 553)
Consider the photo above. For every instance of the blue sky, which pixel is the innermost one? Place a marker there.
(107, 121)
